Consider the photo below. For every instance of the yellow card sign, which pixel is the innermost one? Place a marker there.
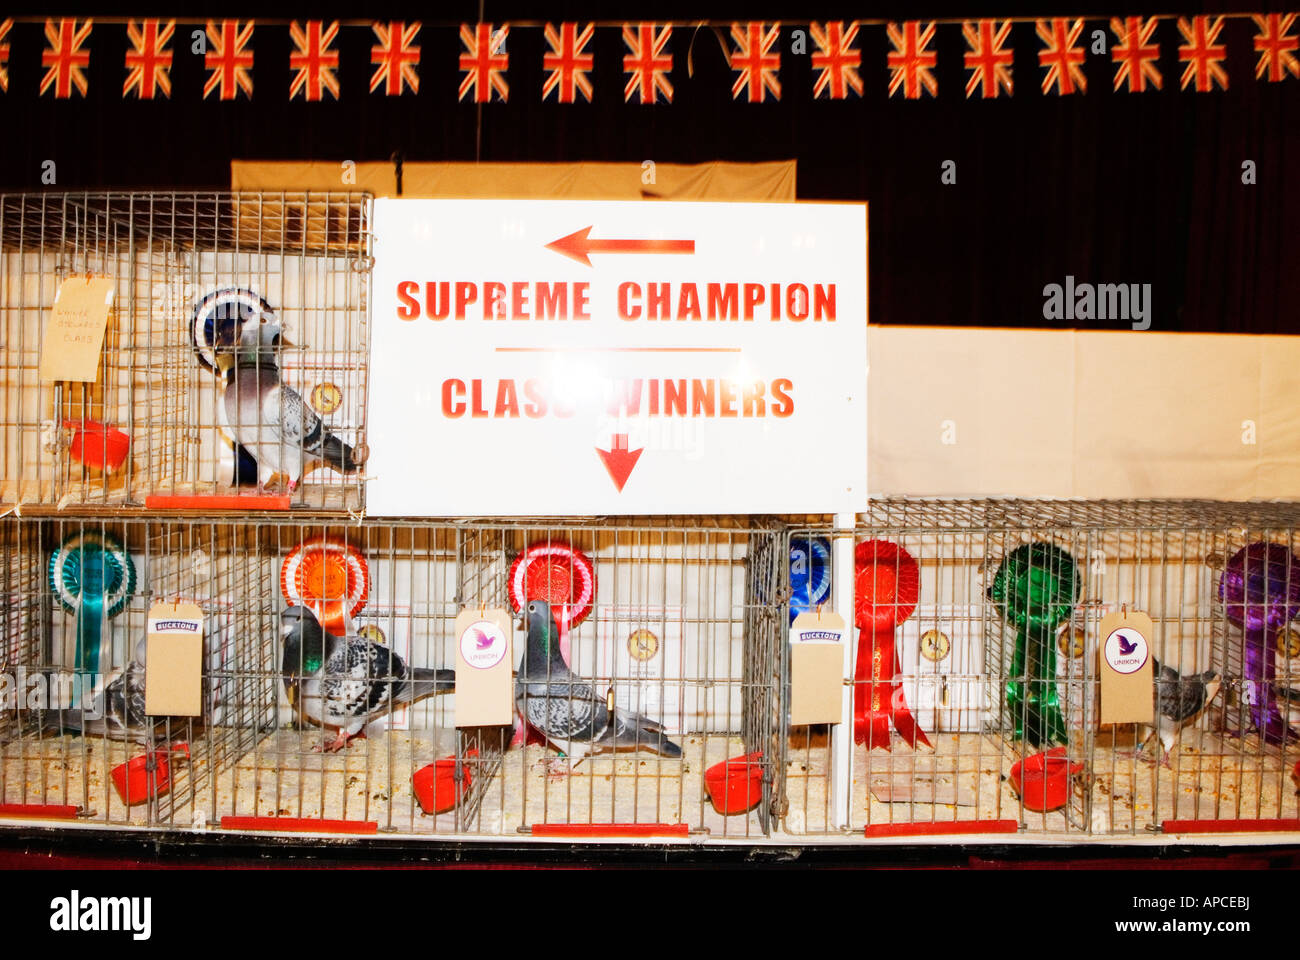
(173, 665)
(1126, 692)
(75, 333)
(485, 691)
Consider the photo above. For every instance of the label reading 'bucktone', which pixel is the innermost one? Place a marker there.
(816, 667)
(173, 673)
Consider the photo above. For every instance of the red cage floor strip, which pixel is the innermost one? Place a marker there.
(307, 824)
(58, 810)
(158, 501)
(610, 829)
(1230, 826)
(940, 829)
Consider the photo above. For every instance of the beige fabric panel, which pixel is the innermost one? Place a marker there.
(325, 176)
(1083, 414)
(586, 181)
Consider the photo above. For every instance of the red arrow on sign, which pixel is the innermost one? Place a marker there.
(577, 246)
(620, 460)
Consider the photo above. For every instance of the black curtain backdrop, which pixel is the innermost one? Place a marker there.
(1106, 187)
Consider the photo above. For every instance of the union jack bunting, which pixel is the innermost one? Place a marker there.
(567, 63)
(315, 61)
(754, 60)
(1275, 43)
(4, 54)
(647, 64)
(484, 62)
(1135, 53)
(65, 60)
(988, 59)
(911, 63)
(1204, 58)
(229, 60)
(149, 61)
(397, 57)
(1061, 57)
(837, 59)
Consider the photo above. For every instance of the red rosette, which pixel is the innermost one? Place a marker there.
(560, 574)
(887, 585)
(886, 590)
(330, 577)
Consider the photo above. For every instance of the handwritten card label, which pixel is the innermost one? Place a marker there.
(75, 333)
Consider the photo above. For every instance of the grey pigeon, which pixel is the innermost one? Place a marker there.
(271, 420)
(1179, 701)
(345, 683)
(118, 711)
(569, 713)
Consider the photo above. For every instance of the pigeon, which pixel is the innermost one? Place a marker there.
(345, 683)
(1126, 646)
(117, 712)
(271, 420)
(569, 713)
(1179, 701)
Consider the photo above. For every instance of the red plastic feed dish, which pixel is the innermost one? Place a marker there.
(96, 445)
(132, 779)
(735, 785)
(435, 784)
(1043, 780)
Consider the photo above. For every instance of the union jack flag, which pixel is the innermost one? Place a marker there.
(482, 62)
(4, 54)
(65, 58)
(837, 59)
(1135, 53)
(397, 57)
(754, 60)
(568, 64)
(1203, 57)
(1275, 44)
(911, 64)
(647, 63)
(228, 60)
(1061, 57)
(314, 60)
(149, 61)
(988, 60)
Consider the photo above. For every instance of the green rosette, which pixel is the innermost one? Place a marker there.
(1036, 588)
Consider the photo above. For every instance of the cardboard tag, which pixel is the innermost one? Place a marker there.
(485, 689)
(1126, 668)
(173, 665)
(816, 667)
(75, 333)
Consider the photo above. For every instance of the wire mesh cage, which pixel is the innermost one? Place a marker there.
(674, 628)
(991, 712)
(190, 395)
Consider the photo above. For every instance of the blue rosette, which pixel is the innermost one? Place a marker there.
(810, 574)
(92, 575)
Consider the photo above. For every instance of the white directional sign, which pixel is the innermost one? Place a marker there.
(577, 358)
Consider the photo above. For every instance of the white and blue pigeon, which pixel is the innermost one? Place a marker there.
(345, 683)
(569, 713)
(271, 420)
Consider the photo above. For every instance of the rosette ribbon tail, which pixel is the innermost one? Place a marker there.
(90, 632)
(1031, 694)
(1260, 675)
(878, 699)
